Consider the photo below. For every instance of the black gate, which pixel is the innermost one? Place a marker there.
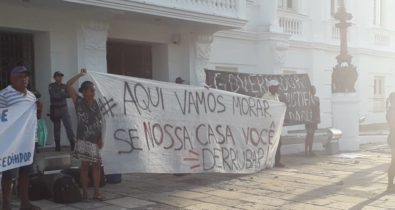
(16, 49)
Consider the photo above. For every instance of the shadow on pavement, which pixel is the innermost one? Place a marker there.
(369, 201)
(360, 178)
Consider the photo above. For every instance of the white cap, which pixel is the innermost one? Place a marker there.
(273, 83)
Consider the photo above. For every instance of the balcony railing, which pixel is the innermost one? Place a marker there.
(293, 24)
(335, 32)
(378, 104)
(382, 38)
(221, 12)
(227, 8)
(332, 32)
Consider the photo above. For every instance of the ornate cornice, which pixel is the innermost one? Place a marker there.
(174, 13)
(255, 36)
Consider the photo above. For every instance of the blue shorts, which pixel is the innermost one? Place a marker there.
(13, 173)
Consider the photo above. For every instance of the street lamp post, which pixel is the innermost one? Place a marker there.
(344, 73)
(345, 100)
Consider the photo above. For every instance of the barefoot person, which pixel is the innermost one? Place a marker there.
(391, 139)
(13, 95)
(312, 126)
(89, 139)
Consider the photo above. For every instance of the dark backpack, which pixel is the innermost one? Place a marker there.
(75, 173)
(66, 190)
(38, 188)
(114, 178)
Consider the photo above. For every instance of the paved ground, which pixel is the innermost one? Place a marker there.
(348, 181)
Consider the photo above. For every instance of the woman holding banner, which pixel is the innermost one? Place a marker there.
(89, 139)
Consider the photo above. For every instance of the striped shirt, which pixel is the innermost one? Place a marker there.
(9, 96)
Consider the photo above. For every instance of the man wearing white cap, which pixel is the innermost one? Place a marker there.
(272, 95)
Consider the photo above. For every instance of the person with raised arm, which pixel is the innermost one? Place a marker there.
(89, 139)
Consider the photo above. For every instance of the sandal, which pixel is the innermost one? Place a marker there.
(30, 207)
(84, 197)
(99, 197)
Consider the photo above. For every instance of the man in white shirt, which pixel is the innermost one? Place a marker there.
(272, 95)
(13, 94)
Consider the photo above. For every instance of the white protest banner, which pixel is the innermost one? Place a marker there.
(159, 127)
(18, 125)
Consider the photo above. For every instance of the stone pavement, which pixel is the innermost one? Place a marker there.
(348, 181)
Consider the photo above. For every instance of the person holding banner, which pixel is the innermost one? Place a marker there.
(272, 95)
(59, 111)
(89, 138)
(13, 95)
(312, 126)
(180, 81)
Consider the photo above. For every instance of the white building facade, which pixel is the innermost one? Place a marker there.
(165, 39)
(155, 39)
(299, 36)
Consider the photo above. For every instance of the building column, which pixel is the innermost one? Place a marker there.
(345, 112)
(268, 16)
(200, 57)
(92, 46)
